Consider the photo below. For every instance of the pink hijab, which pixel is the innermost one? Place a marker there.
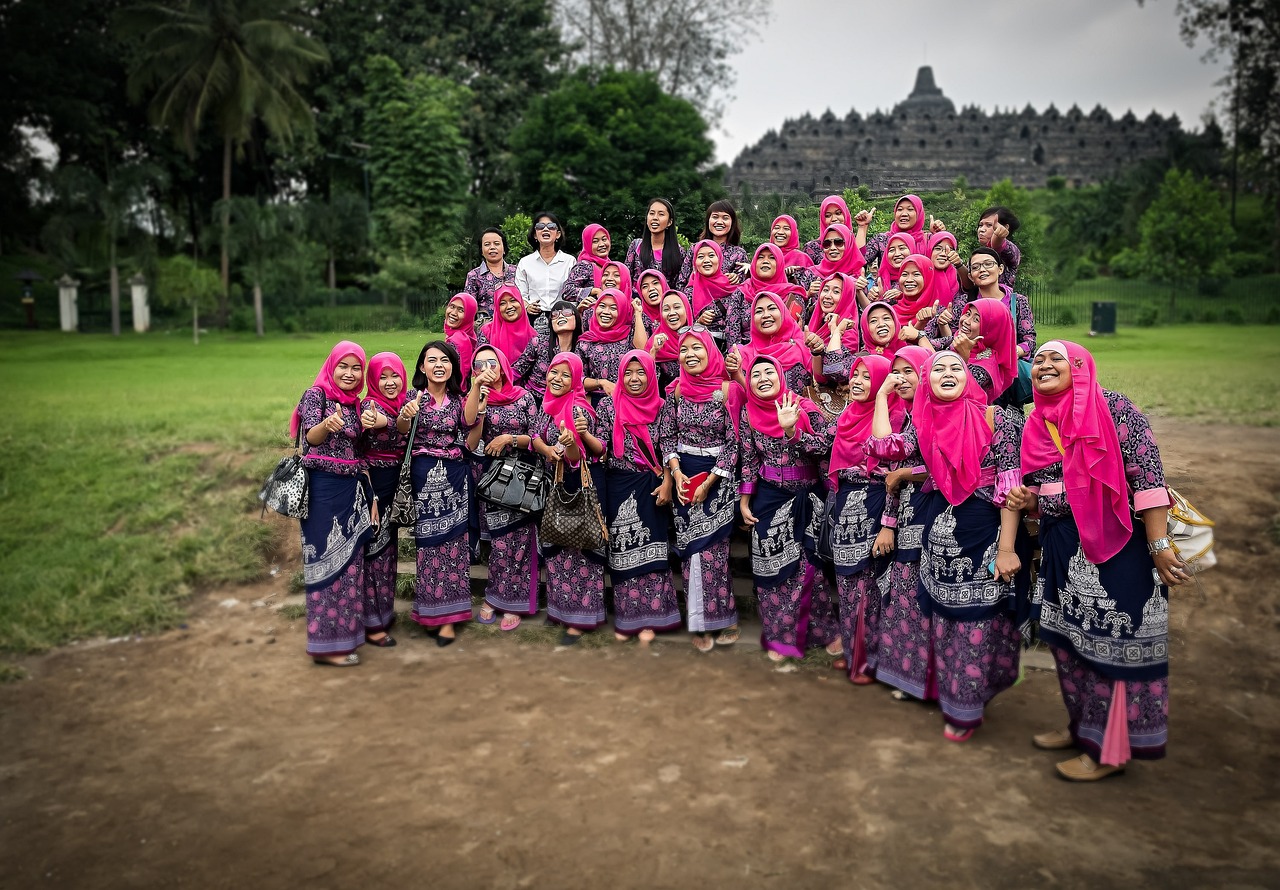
(378, 364)
(997, 338)
(869, 345)
(510, 336)
(586, 255)
(620, 329)
(561, 408)
(634, 413)
(653, 313)
(786, 345)
(763, 413)
(1092, 463)
(506, 391)
(846, 307)
(954, 435)
(919, 240)
(849, 264)
(837, 200)
(463, 338)
(906, 309)
(329, 386)
(918, 358)
(706, 386)
(669, 351)
(754, 284)
(888, 274)
(945, 283)
(707, 289)
(853, 429)
(624, 276)
(791, 253)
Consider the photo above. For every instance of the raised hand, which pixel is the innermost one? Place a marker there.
(788, 408)
(891, 382)
(860, 283)
(413, 406)
(928, 312)
(998, 234)
(334, 423)
(814, 343)
(936, 225)
(862, 218)
(566, 435)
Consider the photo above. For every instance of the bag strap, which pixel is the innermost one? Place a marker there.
(408, 448)
(300, 441)
(1057, 439)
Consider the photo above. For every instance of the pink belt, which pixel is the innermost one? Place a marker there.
(789, 474)
(383, 455)
(1052, 488)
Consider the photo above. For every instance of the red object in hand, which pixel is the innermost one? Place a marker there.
(691, 484)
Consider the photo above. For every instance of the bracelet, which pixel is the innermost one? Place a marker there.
(1159, 544)
(1002, 550)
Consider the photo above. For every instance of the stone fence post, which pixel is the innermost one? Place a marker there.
(68, 310)
(141, 311)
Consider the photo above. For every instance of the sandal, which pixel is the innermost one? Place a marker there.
(840, 664)
(899, 695)
(510, 622)
(728, 636)
(776, 656)
(862, 679)
(386, 641)
(491, 617)
(835, 648)
(346, 661)
(956, 734)
(703, 642)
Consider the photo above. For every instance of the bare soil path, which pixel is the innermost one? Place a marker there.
(200, 759)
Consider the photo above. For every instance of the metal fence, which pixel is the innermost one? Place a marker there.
(1253, 300)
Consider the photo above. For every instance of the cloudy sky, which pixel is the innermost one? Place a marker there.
(997, 52)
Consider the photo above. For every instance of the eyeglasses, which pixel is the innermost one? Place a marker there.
(563, 313)
(482, 364)
(545, 226)
(989, 264)
(833, 242)
(690, 328)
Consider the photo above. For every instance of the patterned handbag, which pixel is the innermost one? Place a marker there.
(573, 520)
(516, 483)
(404, 509)
(285, 490)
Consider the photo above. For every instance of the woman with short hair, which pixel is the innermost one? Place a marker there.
(494, 270)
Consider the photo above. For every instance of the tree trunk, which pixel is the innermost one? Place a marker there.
(257, 306)
(225, 297)
(333, 277)
(115, 297)
(195, 322)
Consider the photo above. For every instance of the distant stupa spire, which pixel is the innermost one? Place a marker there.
(925, 87)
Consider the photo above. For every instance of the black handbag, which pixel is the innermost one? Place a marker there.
(285, 490)
(516, 482)
(404, 509)
(574, 519)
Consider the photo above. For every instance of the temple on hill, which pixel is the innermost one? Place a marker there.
(924, 144)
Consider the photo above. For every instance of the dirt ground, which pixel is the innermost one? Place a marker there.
(217, 755)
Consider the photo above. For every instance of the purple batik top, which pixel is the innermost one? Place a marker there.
(698, 428)
(382, 447)
(635, 263)
(633, 458)
(600, 360)
(732, 255)
(481, 283)
(338, 453)
(760, 450)
(442, 431)
(513, 419)
(1023, 320)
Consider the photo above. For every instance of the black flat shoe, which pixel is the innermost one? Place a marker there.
(349, 661)
(385, 642)
(568, 639)
(444, 641)
(431, 631)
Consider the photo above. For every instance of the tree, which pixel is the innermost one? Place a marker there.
(685, 44)
(1184, 234)
(504, 51)
(255, 238)
(111, 209)
(181, 281)
(240, 62)
(341, 225)
(606, 142)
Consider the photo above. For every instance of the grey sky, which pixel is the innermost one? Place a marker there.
(997, 52)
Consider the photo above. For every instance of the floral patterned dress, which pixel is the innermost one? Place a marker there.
(513, 536)
(383, 450)
(481, 283)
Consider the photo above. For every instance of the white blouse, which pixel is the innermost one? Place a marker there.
(539, 281)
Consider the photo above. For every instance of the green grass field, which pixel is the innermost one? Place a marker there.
(133, 463)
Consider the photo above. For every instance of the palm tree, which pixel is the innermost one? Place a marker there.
(237, 61)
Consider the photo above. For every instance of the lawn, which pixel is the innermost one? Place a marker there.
(134, 462)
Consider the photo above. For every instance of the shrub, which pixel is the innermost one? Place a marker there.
(291, 324)
(1065, 317)
(1209, 316)
(1126, 264)
(1243, 264)
(241, 320)
(1149, 317)
(1086, 269)
(1211, 286)
(1272, 316)
(1232, 315)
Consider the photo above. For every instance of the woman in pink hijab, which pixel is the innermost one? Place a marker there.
(713, 294)
(583, 283)
(509, 330)
(908, 219)
(330, 422)
(986, 342)
(460, 330)
(1091, 464)
(833, 211)
(976, 557)
(775, 333)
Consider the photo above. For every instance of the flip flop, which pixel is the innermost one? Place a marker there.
(493, 615)
(507, 620)
(961, 737)
(728, 636)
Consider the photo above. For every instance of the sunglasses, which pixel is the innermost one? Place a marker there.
(689, 328)
(563, 313)
(482, 364)
(833, 242)
(544, 226)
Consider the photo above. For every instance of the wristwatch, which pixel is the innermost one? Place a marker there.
(1159, 544)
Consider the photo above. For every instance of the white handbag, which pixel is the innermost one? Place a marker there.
(1191, 533)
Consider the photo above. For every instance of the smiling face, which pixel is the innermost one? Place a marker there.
(607, 312)
(910, 379)
(437, 366)
(719, 223)
(600, 243)
(764, 380)
(766, 317)
(833, 215)
(947, 377)
(1050, 373)
(650, 289)
(984, 270)
(833, 246)
(563, 319)
(349, 373)
(454, 313)
(491, 247)
(765, 265)
(971, 323)
(898, 253)
(941, 255)
(658, 219)
(880, 323)
(390, 384)
(673, 312)
(829, 296)
(559, 379)
(707, 261)
(611, 276)
(634, 378)
(905, 214)
(509, 306)
(693, 355)
(780, 234)
(911, 281)
(860, 383)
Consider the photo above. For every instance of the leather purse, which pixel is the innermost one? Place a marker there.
(516, 482)
(574, 519)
